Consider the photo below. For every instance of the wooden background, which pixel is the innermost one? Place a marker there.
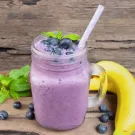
(22, 20)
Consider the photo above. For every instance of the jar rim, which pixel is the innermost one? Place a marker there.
(47, 56)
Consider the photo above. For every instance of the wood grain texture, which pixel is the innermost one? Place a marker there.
(112, 39)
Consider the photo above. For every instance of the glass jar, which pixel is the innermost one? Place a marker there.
(60, 87)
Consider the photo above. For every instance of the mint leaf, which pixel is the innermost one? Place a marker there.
(15, 73)
(20, 84)
(6, 81)
(2, 77)
(14, 94)
(25, 70)
(59, 35)
(49, 34)
(24, 93)
(4, 95)
(72, 36)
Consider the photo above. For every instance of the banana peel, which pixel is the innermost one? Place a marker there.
(122, 83)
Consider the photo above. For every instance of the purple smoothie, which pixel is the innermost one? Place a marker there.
(59, 87)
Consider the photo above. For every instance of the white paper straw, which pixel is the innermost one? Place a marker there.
(91, 26)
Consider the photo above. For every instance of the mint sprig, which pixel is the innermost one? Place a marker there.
(60, 36)
(72, 36)
(15, 84)
(4, 94)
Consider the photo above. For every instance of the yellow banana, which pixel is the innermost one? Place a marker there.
(122, 83)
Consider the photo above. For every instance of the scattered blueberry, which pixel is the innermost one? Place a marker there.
(101, 128)
(30, 115)
(17, 105)
(65, 43)
(2, 116)
(31, 107)
(4, 113)
(111, 115)
(53, 41)
(103, 108)
(104, 118)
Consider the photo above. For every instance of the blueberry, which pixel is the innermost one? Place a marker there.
(30, 115)
(101, 128)
(45, 42)
(103, 108)
(17, 105)
(58, 51)
(2, 116)
(53, 41)
(104, 118)
(76, 42)
(70, 51)
(111, 115)
(31, 107)
(65, 43)
(4, 113)
(48, 49)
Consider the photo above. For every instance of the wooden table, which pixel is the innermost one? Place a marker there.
(17, 124)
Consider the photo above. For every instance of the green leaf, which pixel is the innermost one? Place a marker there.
(24, 93)
(25, 70)
(4, 95)
(2, 77)
(19, 84)
(14, 94)
(49, 34)
(59, 35)
(16, 73)
(72, 36)
(6, 81)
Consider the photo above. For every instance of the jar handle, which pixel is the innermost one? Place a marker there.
(99, 71)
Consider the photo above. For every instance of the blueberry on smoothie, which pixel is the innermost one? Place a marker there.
(70, 51)
(58, 51)
(48, 49)
(76, 42)
(65, 43)
(53, 41)
(45, 42)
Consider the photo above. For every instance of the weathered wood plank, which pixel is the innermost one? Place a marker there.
(22, 20)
